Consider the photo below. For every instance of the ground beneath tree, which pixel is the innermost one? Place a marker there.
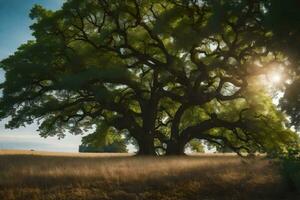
(35, 175)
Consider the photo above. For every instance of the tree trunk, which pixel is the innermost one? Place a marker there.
(146, 146)
(175, 148)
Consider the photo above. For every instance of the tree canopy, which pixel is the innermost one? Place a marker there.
(160, 72)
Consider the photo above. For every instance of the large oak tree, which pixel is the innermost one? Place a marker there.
(161, 72)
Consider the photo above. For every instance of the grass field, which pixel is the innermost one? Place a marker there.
(31, 175)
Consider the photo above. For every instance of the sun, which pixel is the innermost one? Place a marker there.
(274, 77)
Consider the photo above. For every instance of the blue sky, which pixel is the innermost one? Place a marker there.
(14, 30)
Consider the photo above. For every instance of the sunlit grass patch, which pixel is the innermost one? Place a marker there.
(62, 176)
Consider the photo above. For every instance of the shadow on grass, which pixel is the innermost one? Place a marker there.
(232, 179)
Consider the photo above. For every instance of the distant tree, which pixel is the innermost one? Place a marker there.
(162, 72)
(196, 146)
(223, 149)
(115, 147)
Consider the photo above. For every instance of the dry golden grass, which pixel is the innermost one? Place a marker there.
(63, 176)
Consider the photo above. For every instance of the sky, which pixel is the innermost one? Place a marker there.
(14, 30)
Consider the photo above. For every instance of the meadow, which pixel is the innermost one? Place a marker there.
(31, 175)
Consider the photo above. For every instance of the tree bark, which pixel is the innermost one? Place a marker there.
(146, 146)
(175, 148)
